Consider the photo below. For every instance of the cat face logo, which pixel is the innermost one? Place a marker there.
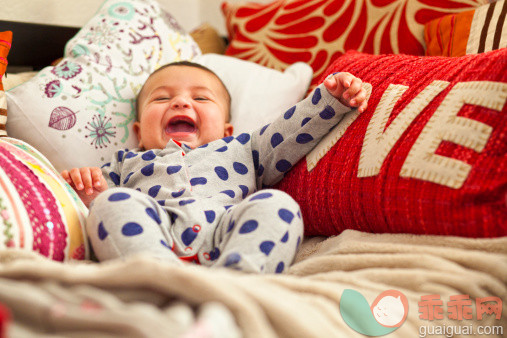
(387, 312)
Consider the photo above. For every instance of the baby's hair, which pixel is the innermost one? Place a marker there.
(188, 64)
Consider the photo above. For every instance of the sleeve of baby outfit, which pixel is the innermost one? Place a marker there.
(112, 170)
(278, 146)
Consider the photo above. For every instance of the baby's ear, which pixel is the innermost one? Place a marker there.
(137, 131)
(228, 129)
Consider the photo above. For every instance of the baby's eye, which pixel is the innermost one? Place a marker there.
(201, 98)
(162, 98)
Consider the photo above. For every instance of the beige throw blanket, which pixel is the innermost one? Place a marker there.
(146, 297)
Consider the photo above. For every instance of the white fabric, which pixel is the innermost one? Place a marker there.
(259, 94)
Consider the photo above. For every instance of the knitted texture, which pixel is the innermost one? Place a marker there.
(38, 211)
(428, 156)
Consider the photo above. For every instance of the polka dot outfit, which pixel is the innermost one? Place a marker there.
(212, 205)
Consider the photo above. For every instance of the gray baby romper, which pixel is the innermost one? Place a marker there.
(211, 205)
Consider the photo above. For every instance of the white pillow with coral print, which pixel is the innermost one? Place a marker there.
(80, 111)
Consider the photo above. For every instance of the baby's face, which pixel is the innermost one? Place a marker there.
(183, 103)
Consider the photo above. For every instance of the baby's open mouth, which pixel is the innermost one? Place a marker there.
(180, 124)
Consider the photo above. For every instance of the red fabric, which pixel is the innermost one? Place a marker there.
(5, 318)
(283, 32)
(334, 198)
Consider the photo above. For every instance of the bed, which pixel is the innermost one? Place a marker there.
(390, 227)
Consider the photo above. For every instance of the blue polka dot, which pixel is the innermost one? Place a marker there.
(161, 202)
(165, 244)
(131, 229)
(188, 236)
(176, 194)
(120, 155)
(266, 247)
(255, 156)
(244, 191)
(299, 214)
(106, 165)
(229, 193)
(283, 166)
(153, 191)
(316, 96)
(127, 178)
(185, 202)
(228, 139)
(198, 181)
(285, 237)
(288, 114)
(286, 215)
(173, 169)
(214, 254)
(243, 138)
(231, 225)
(305, 121)
(222, 149)
(130, 154)
(240, 168)
(118, 196)
(248, 226)
(148, 170)
(102, 232)
(260, 171)
(173, 216)
(115, 178)
(232, 259)
(276, 139)
(327, 113)
(203, 146)
(153, 214)
(148, 156)
(261, 196)
(227, 207)
(264, 129)
(304, 138)
(210, 215)
(222, 173)
(280, 267)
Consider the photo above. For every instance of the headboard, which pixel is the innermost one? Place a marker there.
(35, 46)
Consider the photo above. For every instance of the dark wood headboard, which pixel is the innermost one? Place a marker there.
(35, 46)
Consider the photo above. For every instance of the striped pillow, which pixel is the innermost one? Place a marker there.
(471, 32)
(38, 211)
(5, 46)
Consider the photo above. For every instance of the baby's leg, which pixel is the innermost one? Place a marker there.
(260, 234)
(123, 222)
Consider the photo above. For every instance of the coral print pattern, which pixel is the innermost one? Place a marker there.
(89, 96)
(318, 31)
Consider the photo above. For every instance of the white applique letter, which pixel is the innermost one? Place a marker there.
(378, 141)
(423, 163)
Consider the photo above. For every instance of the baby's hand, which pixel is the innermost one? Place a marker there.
(88, 182)
(347, 89)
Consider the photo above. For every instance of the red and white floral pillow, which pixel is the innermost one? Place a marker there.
(428, 156)
(318, 31)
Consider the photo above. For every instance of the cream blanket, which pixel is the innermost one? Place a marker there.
(146, 297)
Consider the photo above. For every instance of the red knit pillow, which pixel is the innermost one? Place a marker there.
(428, 156)
(283, 32)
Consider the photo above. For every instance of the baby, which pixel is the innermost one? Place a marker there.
(193, 192)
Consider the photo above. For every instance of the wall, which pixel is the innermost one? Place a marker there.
(74, 13)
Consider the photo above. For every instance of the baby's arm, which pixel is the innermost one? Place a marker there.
(279, 146)
(88, 182)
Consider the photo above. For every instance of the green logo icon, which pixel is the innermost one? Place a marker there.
(387, 312)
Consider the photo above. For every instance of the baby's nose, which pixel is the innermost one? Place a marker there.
(180, 102)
